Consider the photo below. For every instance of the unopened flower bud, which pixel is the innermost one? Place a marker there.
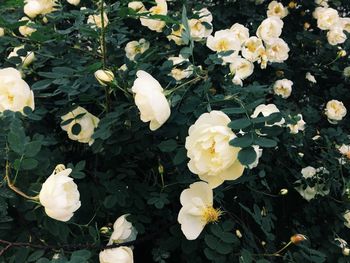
(105, 230)
(160, 169)
(306, 25)
(2, 32)
(60, 168)
(284, 191)
(292, 5)
(346, 251)
(341, 53)
(104, 76)
(238, 233)
(297, 238)
(279, 73)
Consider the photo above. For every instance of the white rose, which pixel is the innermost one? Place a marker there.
(346, 72)
(241, 69)
(136, 47)
(326, 17)
(150, 100)
(277, 50)
(104, 76)
(26, 30)
(87, 122)
(336, 36)
(197, 209)
(283, 88)
(179, 73)
(323, 3)
(15, 93)
(223, 40)
(345, 23)
(137, 6)
(277, 9)
(270, 28)
(211, 156)
(267, 110)
(26, 60)
(347, 218)
(258, 152)
(176, 36)
(345, 150)
(117, 255)
(60, 196)
(335, 111)
(310, 77)
(253, 49)
(2, 31)
(299, 126)
(240, 32)
(154, 24)
(123, 231)
(33, 8)
(74, 2)
(308, 172)
(198, 27)
(96, 20)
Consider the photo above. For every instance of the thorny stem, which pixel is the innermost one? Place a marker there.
(13, 187)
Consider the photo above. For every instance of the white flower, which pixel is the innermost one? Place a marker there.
(223, 40)
(74, 2)
(104, 76)
(15, 93)
(336, 36)
(87, 122)
(199, 27)
(136, 47)
(26, 60)
(123, 231)
(240, 32)
(117, 255)
(150, 100)
(308, 172)
(277, 9)
(59, 195)
(323, 3)
(33, 8)
(137, 6)
(346, 72)
(241, 69)
(154, 24)
(253, 49)
(211, 156)
(326, 17)
(277, 50)
(26, 30)
(310, 192)
(283, 88)
(258, 152)
(96, 20)
(176, 35)
(197, 209)
(267, 110)
(345, 23)
(270, 28)
(310, 77)
(2, 31)
(179, 73)
(299, 126)
(345, 150)
(347, 218)
(335, 111)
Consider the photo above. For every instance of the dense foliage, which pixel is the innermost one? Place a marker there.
(122, 165)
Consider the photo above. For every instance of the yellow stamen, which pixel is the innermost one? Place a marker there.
(211, 215)
(222, 45)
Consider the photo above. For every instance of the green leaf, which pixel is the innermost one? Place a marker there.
(180, 157)
(29, 164)
(247, 156)
(243, 141)
(265, 142)
(16, 143)
(233, 110)
(41, 84)
(35, 255)
(239, 124)
(167, 146)
(32, 148)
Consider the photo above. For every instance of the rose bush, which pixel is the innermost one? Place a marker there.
(174, 131)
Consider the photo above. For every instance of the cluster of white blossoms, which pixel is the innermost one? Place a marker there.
(134, 48)
(84, 121)
(15, 93)
(311, 173)
(329, 19)
(266, 46)
(33, 8)
(123, 231)
(335, 111)
(178, 71)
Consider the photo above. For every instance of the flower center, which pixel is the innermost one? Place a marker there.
(10, 98)
(212, 148)
(211, 215)
(222, 45)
